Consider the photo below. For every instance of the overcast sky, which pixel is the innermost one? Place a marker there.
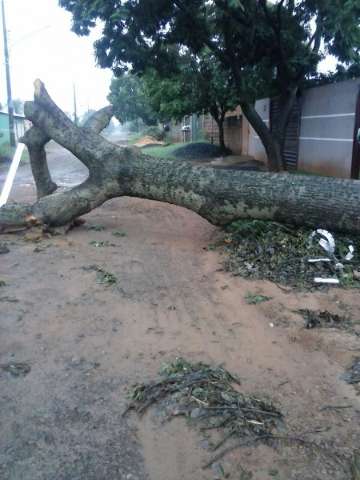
(42, 46)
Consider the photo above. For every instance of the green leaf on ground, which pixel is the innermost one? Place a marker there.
(254, 298)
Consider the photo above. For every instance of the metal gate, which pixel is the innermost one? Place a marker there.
(355, 165)
(291, 144)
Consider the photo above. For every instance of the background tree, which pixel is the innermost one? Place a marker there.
(18, 106)
(130, 101)
(199, 85)
(85, 117)
(269, 48)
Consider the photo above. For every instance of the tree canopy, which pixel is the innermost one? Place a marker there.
(199, 85)
(268, 48)
(130, 100)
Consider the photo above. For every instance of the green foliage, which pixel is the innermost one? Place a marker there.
(105, 278)
(101, 243)
(261, 48)
(268, 250)
(96, 227)
(249, 37)
(130, 101)
(155, 132)
(162, 152)
(254, 298)
(119, 233)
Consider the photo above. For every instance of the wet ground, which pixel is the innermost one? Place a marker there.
(86, 343)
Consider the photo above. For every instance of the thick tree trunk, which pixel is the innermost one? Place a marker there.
(36, 140)
(272, 136)
(271, 144)
(219, 118)
(220, 196)
(222, 133)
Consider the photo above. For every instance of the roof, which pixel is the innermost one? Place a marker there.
(15, 115)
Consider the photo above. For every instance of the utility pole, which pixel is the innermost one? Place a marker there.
(8, 79)
(75, 106)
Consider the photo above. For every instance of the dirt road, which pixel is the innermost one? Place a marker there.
(87, 343)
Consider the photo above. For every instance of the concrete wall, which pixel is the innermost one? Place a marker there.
(327, 128)
(233, 130)
(255, 147)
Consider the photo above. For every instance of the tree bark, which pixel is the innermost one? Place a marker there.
(36, 140)
(219, 120)
(220, 196)
(271, 144)
(222, 133)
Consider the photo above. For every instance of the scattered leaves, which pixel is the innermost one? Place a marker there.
(105, 278)
(206, 395)
(254, 299)
(101, 243)
(16, 369)
(280, 253)
(119, 233)
(95, 228)
(4, 249)
(323, 319)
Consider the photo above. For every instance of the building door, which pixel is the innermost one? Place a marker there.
(355, 166)
(291, 144)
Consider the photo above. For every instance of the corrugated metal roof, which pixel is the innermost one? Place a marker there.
(2, 112)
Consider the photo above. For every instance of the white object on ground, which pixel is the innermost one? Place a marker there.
(11, 175)
(327, 242)
(326, 280)
(350, 255)
(315, 260)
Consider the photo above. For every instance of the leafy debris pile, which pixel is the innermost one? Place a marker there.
(206, 395)
(324, 319)
(352, 375)
(280, 253)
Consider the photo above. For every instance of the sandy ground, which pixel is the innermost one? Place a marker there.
(87, 343)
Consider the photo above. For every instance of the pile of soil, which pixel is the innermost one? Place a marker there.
(279, 253)
(148, 141)
(199, 150)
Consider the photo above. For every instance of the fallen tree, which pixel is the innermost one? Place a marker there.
(220, 196)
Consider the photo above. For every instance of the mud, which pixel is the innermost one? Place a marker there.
(86, 343)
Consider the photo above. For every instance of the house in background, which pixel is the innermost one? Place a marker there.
(20, 126)
(322, 135)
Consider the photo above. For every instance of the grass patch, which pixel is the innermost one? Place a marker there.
(162, 152)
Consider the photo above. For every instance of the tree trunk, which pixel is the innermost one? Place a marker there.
(220, 196)
(219, 119)
(36, 140)
(221, 134)
(271, 144)
(272, 136)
